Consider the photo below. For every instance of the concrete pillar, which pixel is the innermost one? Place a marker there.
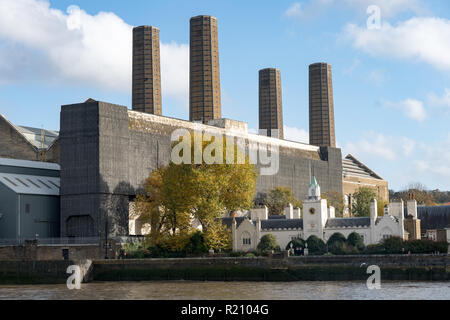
(331, 212)
(289, 211)
(297, 213)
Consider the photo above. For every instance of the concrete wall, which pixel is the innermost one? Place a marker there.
(31, 250)
(107, 151)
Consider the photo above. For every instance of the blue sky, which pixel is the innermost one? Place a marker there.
(391, 85)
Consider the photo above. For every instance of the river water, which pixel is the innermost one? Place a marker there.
(179, 290)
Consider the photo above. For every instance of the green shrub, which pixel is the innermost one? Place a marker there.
(316, 246)
(374, 249)
(296, 243)
(426, 246)
(336, 237)
(355, 240)
(196, 244)
(393, 245)
(268, 243)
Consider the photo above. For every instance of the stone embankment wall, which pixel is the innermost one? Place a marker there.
(325, 268)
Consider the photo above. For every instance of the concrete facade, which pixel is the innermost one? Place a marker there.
(270, 102)
(321, 106)
(107, 152)
(146, 77)
(204, 75)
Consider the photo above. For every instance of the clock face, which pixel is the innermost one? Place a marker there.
(312, 210)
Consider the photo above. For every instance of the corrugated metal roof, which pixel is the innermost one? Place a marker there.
(434, 217)
(29, 164)
(38, 137)
(353, 167)
(31, 184)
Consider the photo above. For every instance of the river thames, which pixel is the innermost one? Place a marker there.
(180, 290)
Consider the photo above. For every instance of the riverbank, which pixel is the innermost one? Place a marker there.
(305, 268)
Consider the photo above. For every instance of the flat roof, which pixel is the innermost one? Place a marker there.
(29, 164)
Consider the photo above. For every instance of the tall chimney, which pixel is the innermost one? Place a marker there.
(321, 106)
(146, 70)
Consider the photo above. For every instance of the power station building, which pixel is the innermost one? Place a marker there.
(106, 151)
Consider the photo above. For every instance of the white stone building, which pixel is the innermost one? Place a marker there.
(318, 219)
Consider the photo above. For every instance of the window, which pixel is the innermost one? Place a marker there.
(27, 208)
(246, 239)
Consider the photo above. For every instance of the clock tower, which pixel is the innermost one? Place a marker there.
(315, 212)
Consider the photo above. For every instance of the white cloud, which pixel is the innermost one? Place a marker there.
(296, 134)
(373, 144)
(412, 108)
(403, 159)
(442, 101)
(388, 8)
(75, 47)
(418, 39)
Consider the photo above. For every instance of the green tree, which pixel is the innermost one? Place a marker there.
(355, 240)
(336, 200)
(362, 199)
(277, 199)
(196, 244)
(267, 243)
(336, 237)
(218, 236)
(316, 246)
(221, 187)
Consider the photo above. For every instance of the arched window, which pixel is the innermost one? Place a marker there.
(246, 239)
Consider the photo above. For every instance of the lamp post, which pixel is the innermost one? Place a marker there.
(106, 236)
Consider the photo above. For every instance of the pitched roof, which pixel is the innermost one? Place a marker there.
(31, 184)
(29, 164)
(282, 223)
(348, 222)
(38, 138)
(353, 167)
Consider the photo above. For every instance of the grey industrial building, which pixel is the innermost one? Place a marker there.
(29, 199)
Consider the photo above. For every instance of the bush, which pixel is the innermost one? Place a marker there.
(426, 246)
(196, 244)
(340, 248)
(316, 246)
(393, 245)
(374, 249)
(336, 237)
(296, 244)
(267, 243)
(356, 241)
